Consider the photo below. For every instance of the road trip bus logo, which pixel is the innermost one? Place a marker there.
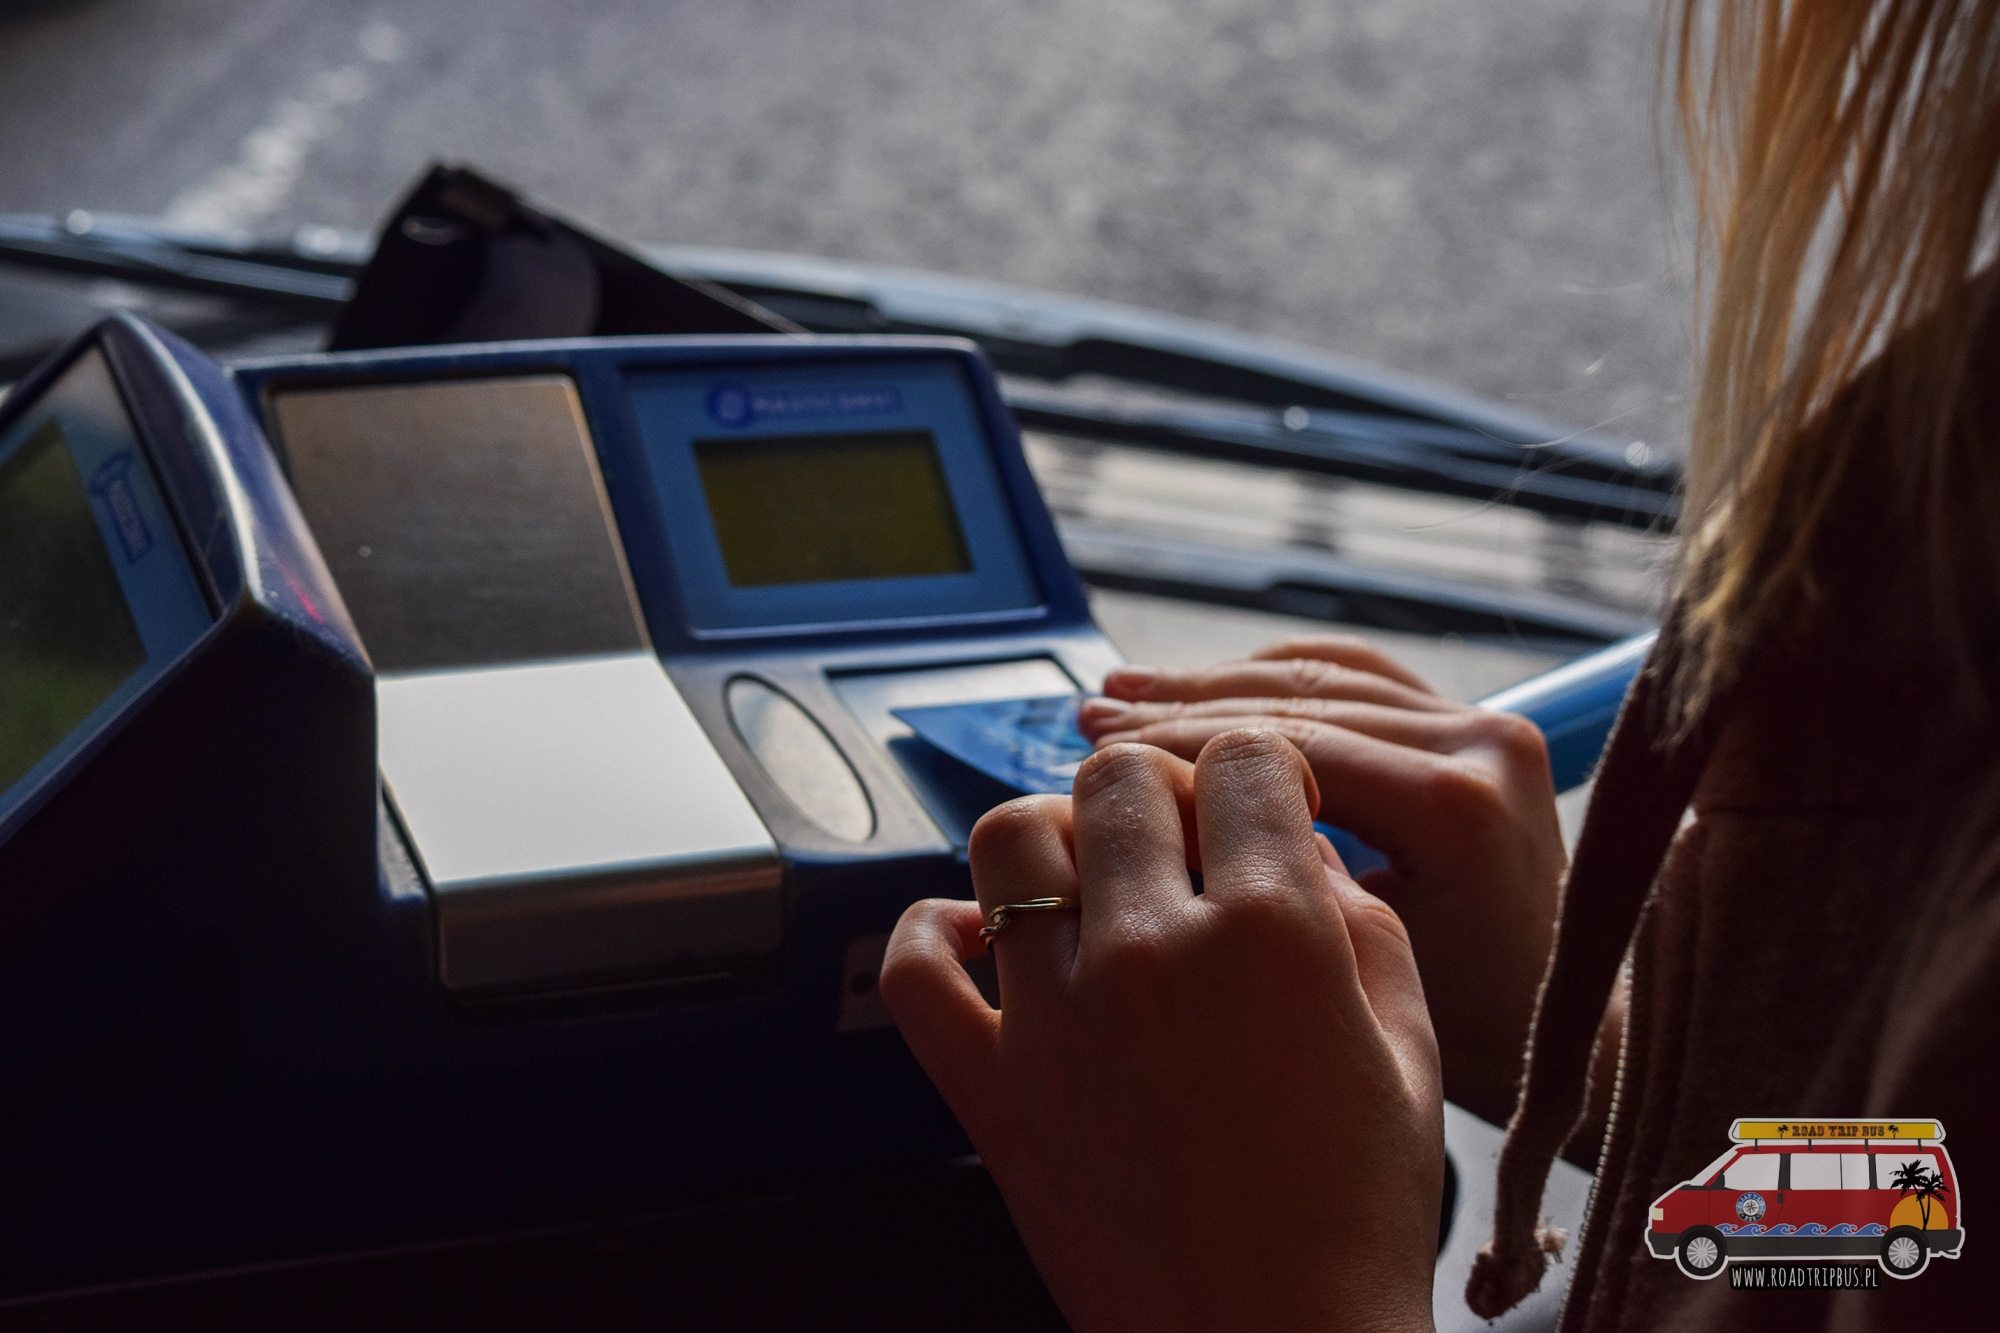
(1827, 1190)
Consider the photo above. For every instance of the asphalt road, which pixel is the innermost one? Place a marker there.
(1464, 189)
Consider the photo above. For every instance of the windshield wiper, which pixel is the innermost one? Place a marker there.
(1306, 410)
(284, 275)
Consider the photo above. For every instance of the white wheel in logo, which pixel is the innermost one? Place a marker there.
(1903, 1253)
(1699, 1254)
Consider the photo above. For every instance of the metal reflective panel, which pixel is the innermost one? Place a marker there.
(465, 522)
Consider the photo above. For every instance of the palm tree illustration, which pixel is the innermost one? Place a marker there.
(1912, 1178)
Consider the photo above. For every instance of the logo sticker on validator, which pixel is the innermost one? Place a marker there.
(111, 484)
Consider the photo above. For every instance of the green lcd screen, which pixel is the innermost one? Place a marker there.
(69, 641)
(825, 508)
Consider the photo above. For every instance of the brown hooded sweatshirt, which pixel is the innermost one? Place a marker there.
(1797, 953)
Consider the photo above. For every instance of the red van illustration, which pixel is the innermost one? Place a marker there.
(1797, 1189)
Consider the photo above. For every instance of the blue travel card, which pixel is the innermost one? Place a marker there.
(1027, 745)
(1032, 746)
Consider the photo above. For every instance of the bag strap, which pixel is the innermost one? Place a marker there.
(1644, 785)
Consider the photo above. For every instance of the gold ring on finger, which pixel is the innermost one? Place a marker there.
(1003, 916)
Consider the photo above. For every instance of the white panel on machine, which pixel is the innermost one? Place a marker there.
(575, 824)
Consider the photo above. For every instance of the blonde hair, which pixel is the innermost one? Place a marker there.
(1844, 156)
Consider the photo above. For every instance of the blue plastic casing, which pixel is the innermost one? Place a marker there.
(677, 411)
(181, 877)
(845, 653)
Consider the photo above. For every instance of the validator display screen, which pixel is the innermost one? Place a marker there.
(793, 509)
(97, 596)
(67, 639)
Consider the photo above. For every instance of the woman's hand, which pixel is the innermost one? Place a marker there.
(1459, 799)
(1205, 1111)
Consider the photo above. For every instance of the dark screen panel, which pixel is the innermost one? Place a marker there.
(67, 639)
(825, 508)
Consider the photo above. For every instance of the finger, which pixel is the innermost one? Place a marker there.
(1100, 719)
(1387, 970)
(946, 1021)
(1292, 678)
(1254, 799)
(1021, 850)
(1381, 881)
(1346, 650)
(1390, 796)
(1131, 849)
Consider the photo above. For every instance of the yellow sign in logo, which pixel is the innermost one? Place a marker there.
(1881, 1131)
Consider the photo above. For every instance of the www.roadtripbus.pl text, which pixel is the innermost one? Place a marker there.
(1781, 1277)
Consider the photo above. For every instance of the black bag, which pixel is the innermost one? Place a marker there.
(465, 259)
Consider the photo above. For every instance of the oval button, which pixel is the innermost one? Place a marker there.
(797, 754)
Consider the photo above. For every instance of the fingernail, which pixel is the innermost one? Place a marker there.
(1112, 738)
(1131, 680)
(1102, 713)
